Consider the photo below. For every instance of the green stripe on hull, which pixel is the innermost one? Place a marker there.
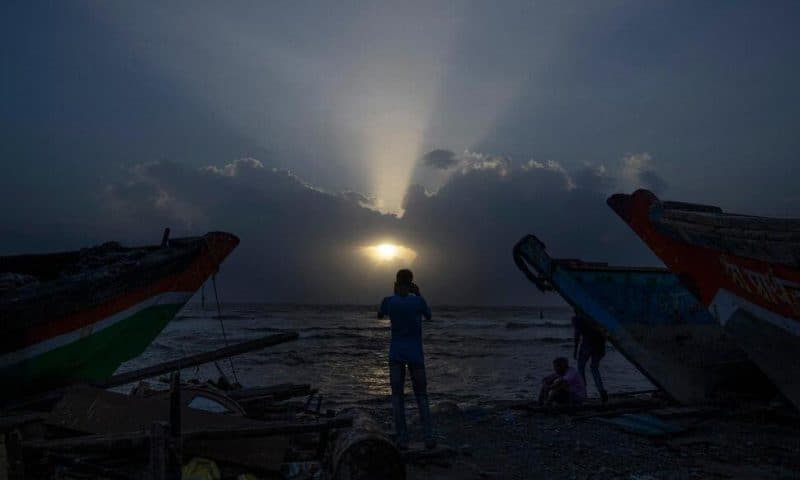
(96, 356)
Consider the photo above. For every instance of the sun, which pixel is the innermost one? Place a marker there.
(386, 251)
(389, 253)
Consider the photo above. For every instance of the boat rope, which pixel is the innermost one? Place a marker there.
(222, 325)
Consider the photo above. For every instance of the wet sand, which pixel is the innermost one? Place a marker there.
(496, 442)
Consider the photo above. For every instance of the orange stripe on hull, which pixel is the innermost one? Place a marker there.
(706, 271)
(217, 247)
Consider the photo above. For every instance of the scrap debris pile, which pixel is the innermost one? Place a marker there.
(191, 430)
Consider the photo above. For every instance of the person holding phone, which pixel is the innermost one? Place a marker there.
(406, 309)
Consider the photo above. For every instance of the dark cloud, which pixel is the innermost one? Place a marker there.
(299, 244)
(302, 244)
(470, 225)
(595, 178)
(441, 159)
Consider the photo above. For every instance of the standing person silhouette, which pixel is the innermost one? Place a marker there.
(590, 347)
(405, 309)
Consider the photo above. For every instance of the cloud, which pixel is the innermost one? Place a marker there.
(299, 243)
(471, 223)
(303, 244)
(360, 199)
(236, 167)
(551, 166)
(638, 171)
(440, 159)
(482, 161)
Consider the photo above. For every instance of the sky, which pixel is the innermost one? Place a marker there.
(314, 130)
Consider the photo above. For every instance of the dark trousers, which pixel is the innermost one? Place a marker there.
(585, 356)
(397, 377)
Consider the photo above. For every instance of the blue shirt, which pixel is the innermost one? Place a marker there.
(406, 315)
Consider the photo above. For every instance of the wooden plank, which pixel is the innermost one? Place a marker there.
(198, 359)
(281, 391)
(138, 439)
(96, 411)
(92, 410)
(158, 468)
(9, 422)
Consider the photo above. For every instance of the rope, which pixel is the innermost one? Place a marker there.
(222, 324)
(219, 308)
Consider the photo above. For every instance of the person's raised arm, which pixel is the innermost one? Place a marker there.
(383, 311)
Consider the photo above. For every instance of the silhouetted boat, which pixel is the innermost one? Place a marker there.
(746, 269)
(78, 315)
(651, 318)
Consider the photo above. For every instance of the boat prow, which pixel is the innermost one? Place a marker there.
(76, 316)
(745, 269)
(652, 319)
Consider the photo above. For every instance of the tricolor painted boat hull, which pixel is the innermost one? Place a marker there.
(652, 319)
(745, 269)
(82, 314)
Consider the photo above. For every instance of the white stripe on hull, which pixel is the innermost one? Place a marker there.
(725, 305)
(167, 298)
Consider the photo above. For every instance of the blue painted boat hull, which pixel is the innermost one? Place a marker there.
(653, 320)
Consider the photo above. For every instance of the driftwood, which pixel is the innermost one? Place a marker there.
(365, 452)
(198, 359)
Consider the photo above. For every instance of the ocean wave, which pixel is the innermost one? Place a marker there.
(439, 354)
(518, 325)
(214, 316)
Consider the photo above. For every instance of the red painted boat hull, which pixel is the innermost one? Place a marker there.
(756, 300)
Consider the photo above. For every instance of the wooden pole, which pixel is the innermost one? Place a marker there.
(159, 445)
(176, 450)
(198, 359)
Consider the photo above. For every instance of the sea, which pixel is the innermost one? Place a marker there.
(473, 355)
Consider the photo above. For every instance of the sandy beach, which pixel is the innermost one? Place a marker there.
(499, 442)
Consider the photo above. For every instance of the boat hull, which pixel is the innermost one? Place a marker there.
(757, 302)
(95, 332)
(653, 320)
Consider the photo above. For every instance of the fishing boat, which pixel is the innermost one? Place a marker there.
(745, 269)
(651, 319)
(76, 316)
